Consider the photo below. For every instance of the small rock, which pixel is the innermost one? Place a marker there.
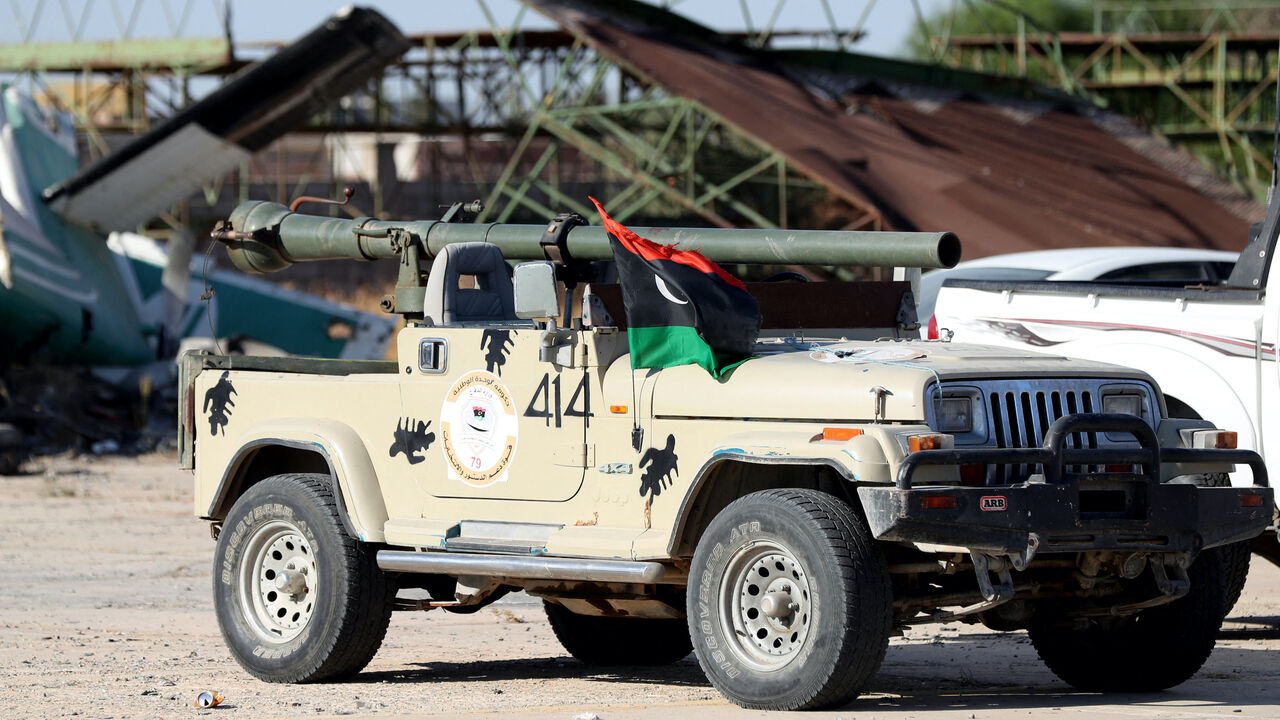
(586, 716)
(150, 692)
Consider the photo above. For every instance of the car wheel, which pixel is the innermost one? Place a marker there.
(1155, 649)
(789, 601)
(297, 599)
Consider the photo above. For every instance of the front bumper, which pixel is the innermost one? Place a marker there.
(1074, 511)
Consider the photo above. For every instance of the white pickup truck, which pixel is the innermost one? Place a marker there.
(1212, 349)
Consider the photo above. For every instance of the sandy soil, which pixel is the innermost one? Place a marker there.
(105, 612)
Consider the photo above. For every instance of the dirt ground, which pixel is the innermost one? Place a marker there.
(105, 612)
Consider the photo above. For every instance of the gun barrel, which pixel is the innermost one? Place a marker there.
(281, 238)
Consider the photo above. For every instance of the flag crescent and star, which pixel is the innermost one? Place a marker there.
(681, 307)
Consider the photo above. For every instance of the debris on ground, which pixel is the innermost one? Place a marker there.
(208, 699)
(49, 410)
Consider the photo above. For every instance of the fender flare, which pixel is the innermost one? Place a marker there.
(360, 503)
(725, 454)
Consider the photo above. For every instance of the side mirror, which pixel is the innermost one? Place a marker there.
(536, 291)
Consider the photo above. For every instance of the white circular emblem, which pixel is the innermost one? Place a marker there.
(478, 429)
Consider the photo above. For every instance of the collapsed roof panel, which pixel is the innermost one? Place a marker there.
(1007, 166)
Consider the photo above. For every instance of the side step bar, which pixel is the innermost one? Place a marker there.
(520, 566)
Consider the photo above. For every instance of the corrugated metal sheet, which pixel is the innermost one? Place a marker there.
(1005, 174)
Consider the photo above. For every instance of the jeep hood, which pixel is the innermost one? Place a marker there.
(835, 381)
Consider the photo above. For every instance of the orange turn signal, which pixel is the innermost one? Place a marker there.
(1225, 439)
(916, 443)
(1216, 439)
(618, 409)
(837, 433)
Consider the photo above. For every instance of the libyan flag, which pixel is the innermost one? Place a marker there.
(681, 308)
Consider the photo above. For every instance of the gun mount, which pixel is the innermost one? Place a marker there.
(263, 237)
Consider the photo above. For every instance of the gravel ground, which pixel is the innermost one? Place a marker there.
(105, 613)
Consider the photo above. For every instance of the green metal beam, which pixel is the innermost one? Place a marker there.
(116, 56)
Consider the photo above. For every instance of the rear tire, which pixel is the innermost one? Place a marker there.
(790, 604)
(619, 641)
(1156, 649)
(298, 600)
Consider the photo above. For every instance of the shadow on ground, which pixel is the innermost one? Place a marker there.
(961, 672)
(685, 673)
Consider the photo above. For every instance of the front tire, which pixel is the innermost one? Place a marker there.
(297, 599)
(619, 641)
(1156, 649)
(1235, 570)
(789, 601)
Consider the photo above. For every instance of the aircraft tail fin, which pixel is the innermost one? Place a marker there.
(218, 133)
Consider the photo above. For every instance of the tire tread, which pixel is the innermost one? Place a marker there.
(1159, 648)
(864, 585)
(368, 595)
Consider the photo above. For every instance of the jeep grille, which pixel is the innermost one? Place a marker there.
(1017, 413)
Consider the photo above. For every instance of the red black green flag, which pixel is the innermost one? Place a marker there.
(681, 307)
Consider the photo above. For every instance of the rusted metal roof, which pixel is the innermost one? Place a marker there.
(1005, 166)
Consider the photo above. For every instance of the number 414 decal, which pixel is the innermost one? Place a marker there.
(546, 401)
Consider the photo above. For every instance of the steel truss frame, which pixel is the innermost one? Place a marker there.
(524, 118)
(668, 156)
(1212, 91)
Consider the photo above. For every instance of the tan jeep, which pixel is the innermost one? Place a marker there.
(782, 523)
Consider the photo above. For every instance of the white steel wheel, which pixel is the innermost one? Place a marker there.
(766, 604)
(278, 583)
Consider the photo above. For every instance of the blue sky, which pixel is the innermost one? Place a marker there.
(887, 24)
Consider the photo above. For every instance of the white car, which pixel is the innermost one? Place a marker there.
(1170, 267)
